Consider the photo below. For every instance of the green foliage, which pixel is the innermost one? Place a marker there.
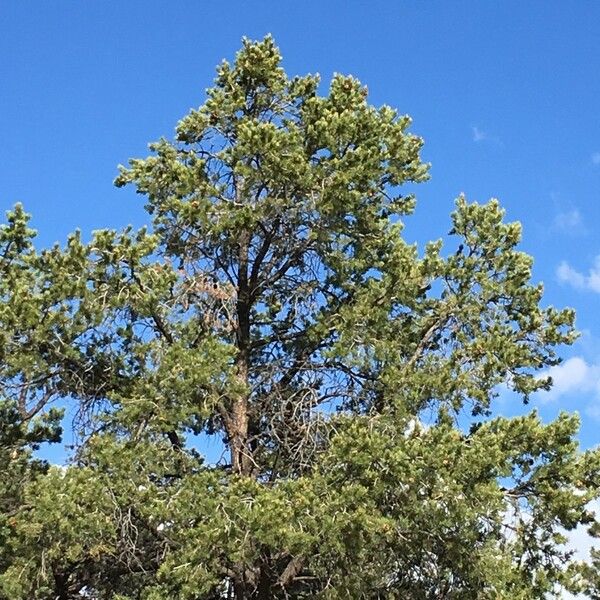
(276, 305)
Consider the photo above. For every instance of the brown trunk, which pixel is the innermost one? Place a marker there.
(238, 417)
(238, 436)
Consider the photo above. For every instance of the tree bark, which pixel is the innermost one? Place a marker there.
(238, 434)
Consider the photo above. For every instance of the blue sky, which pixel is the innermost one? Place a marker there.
(504, 93)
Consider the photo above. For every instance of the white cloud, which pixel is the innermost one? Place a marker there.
(566, 274)
(575, 375)
(596, 158)
(478, 134)
(591, 281)
(568, 222)
(593, 410)
(62, 469)
(581, 542)
(594, 277)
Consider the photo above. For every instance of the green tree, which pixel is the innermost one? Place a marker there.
(276, 305)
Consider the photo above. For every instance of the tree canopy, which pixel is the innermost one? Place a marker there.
(274, 304)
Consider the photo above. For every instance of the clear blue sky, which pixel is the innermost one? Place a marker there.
(506, 95)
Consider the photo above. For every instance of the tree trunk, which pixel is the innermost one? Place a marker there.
(265, 584)
(238, 436)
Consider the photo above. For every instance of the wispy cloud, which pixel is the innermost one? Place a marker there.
(568, 275)
(568, 222)
(478, 134)
(574, 376)
(595, 158)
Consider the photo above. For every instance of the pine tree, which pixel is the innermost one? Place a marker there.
(275, 304)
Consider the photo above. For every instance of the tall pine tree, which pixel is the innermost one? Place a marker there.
(275, 304)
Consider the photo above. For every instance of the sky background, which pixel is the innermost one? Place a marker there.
(505, 94)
